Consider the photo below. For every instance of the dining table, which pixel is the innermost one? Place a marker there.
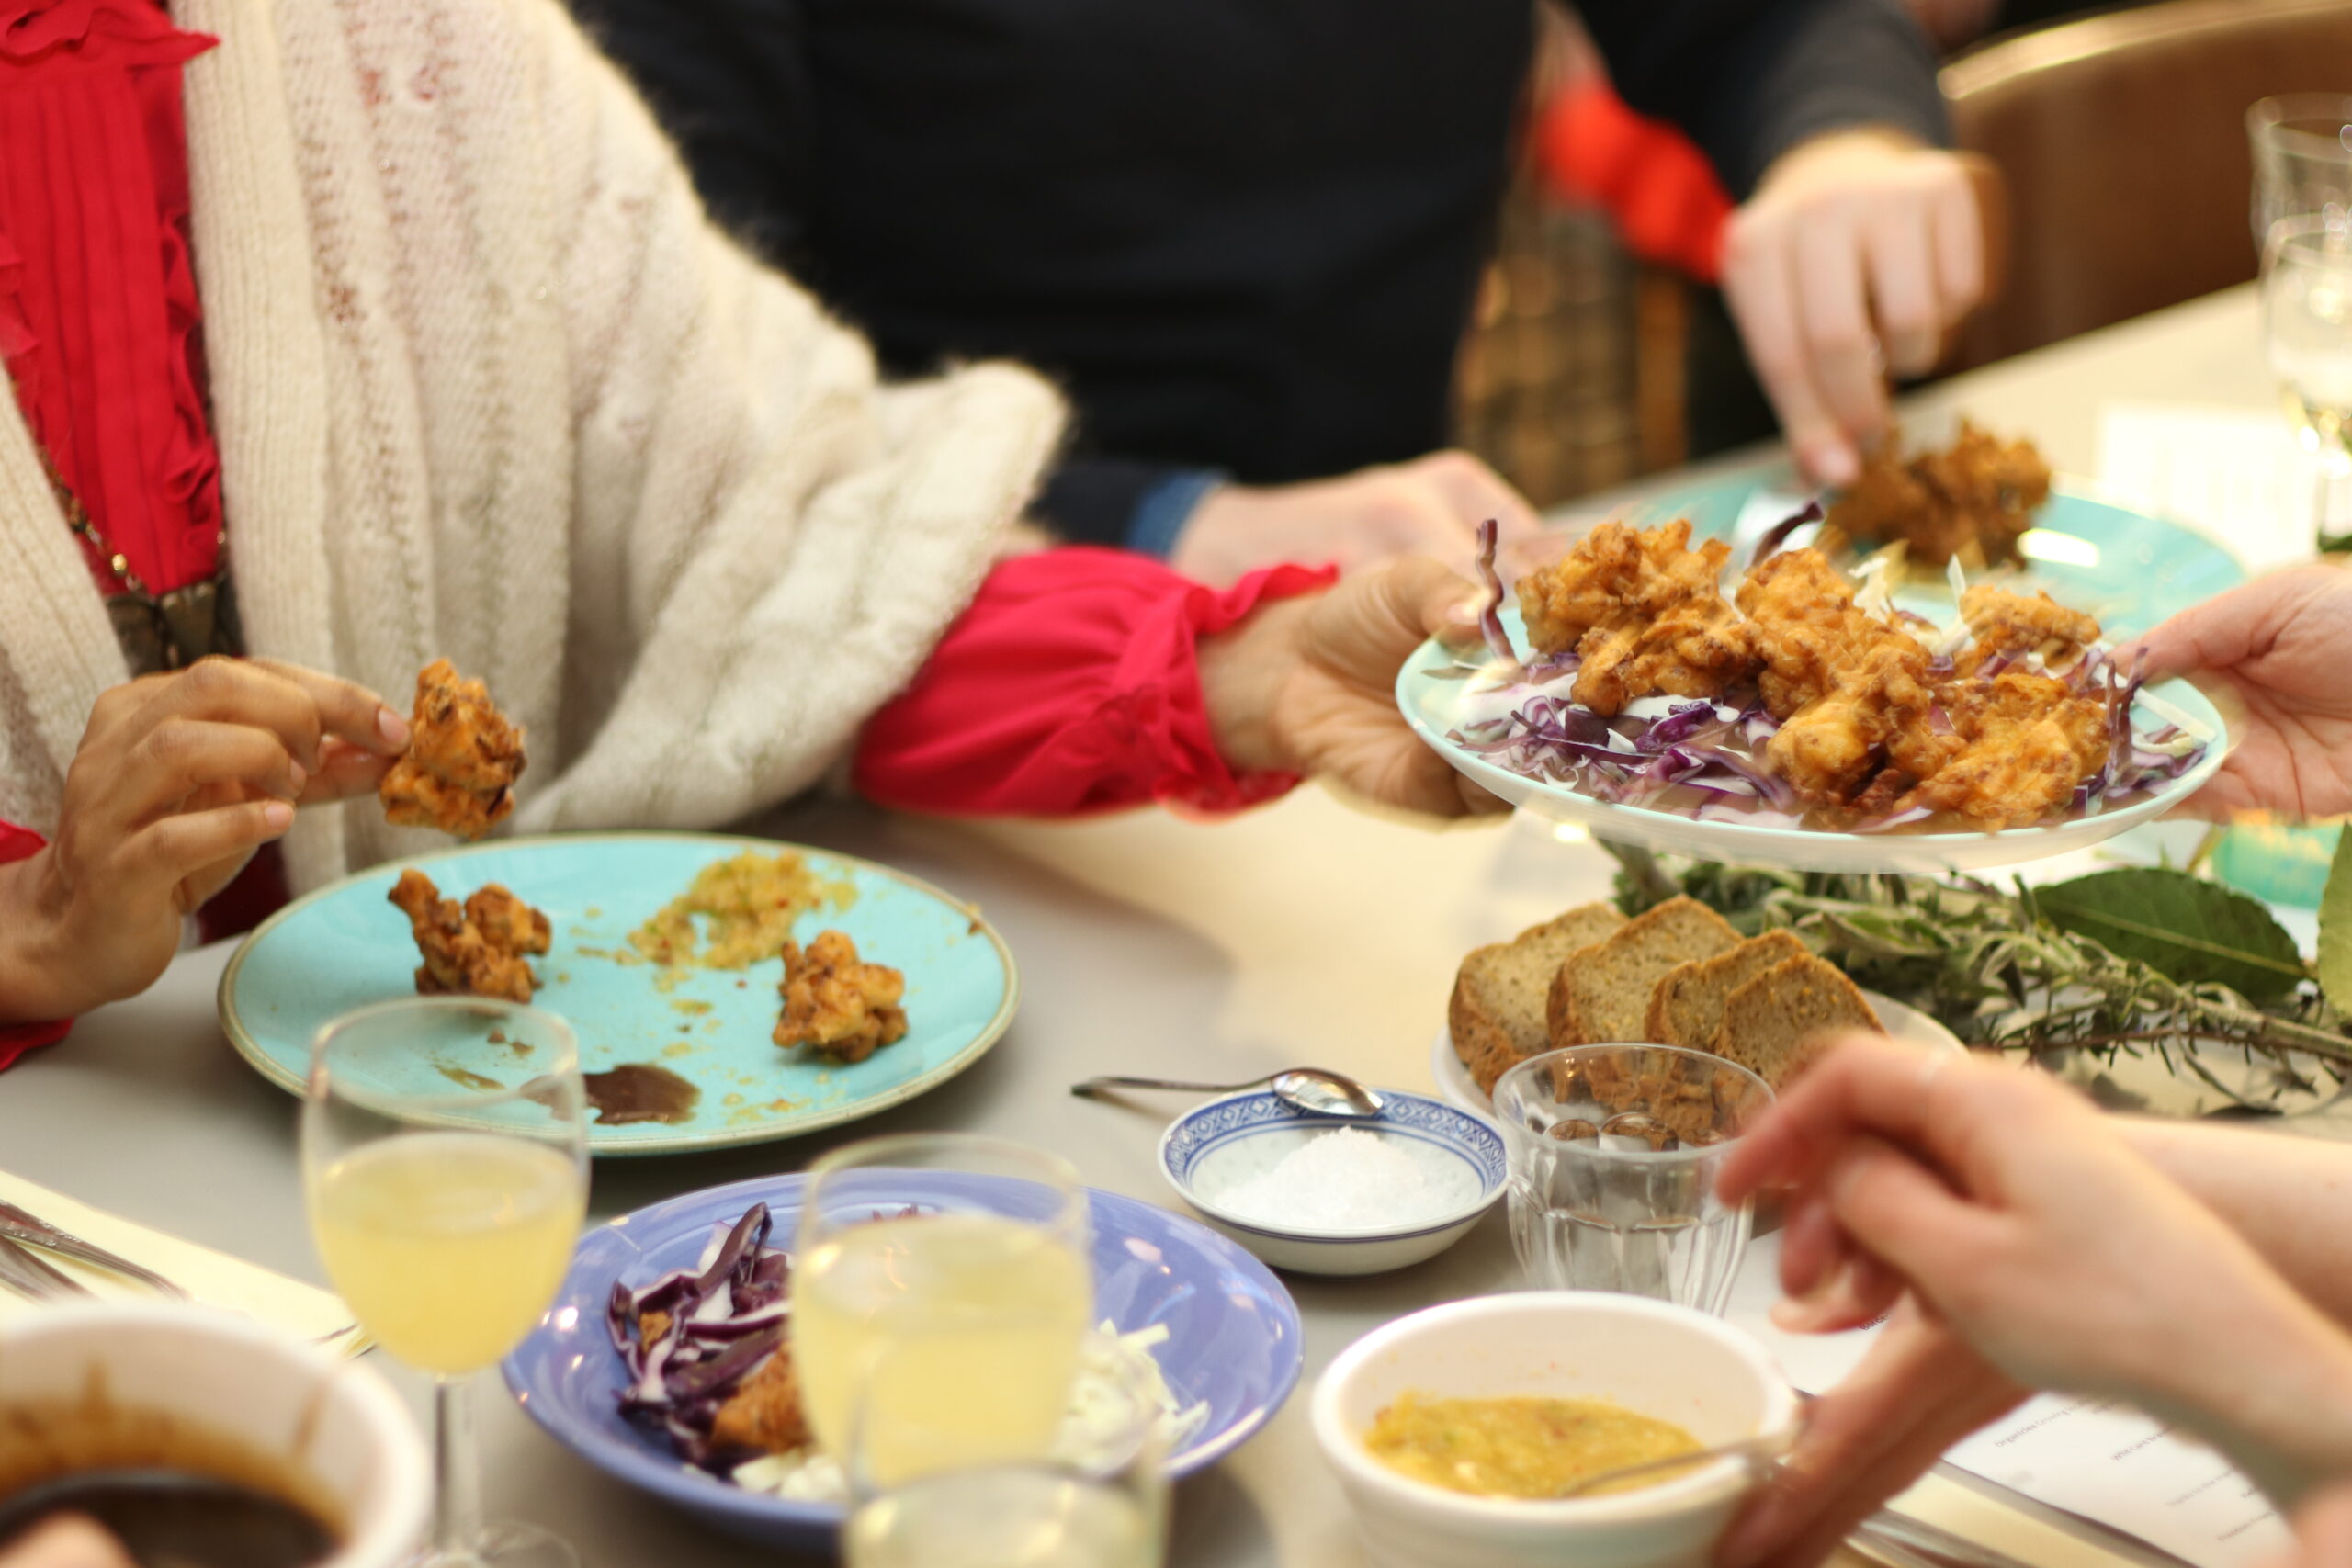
(1309, 930)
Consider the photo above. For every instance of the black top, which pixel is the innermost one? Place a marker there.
(1243, 233)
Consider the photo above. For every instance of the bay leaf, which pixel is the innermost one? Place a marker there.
(2183, 927)
(2336, 928)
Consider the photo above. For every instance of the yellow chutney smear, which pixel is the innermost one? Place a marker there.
(1522, 1446)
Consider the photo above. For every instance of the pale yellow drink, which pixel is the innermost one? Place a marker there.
(1002, 1518)
(448, 1246)
(959, 1333)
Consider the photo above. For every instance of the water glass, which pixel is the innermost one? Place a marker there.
(445, 1163)
(2307, 331)
(2302, 144)
(1614, 1153)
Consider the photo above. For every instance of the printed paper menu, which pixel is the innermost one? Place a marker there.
(2089, 1457)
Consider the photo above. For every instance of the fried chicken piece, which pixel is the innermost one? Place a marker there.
(460, 958)
(764, 1412)
(1844, 684)
(506, 922)
(2022, 744)
(1643, 613)
(2013, 625)
(844, 1008)
(463, 756)
(1973, 500)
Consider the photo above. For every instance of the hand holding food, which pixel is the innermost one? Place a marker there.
(1855, 256)
(463, 757)
(1970, 502)
(1432, 506)
(2279, 642)
(2018, 1216)
(179, 778)
(1307, 685)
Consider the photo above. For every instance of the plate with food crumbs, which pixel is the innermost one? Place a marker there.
(725, 990)
(1794, 706)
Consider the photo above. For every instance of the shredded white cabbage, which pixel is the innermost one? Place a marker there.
(1099, 1413)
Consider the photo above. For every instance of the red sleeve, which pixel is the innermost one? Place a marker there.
(16, 1039)
(1071, 686)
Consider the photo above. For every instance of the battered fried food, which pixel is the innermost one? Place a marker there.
(764, 1412)
(2020, 744)
(844, 1008)
(1972, 501)
(463, 757)
(2012, 625)
(467, 952)
(1643, 613)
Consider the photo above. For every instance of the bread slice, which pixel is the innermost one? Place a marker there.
(1687, 1004)
(1775, 1024)
(1497, 1013)
(1601, 993)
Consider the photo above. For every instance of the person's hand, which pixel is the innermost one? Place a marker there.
(66, 1541)
(2279, 643)
(1432, 506)
(2322, 1530)
(1857, 252)
(179, 778)
(2018, 1216)
(1307, 685)
(1919, 1390)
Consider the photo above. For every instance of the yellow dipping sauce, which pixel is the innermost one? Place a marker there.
(1522, 1446)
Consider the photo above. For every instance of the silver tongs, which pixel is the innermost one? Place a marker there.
(19, 1227)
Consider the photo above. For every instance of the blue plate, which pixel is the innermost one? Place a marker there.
(2129, 569)
(345, 946)
(1233, 1336)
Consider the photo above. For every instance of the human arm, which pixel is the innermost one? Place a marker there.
(1084, 681)
(2277, 645)
(68, 1542)
(2013, 1212)
(179, 779)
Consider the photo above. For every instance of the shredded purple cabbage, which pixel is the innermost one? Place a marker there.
(727, 1316)
(1490, 615)
(1778, 535)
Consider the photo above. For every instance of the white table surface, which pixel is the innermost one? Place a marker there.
(1302, 932)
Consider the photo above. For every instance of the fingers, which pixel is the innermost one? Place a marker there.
(180, 847)
(2248, 621)
(345, 771)
(1762, 291)
(1956, 223)
(347, 711)
(1475, 492)
(1838, 339)
(1896, 1209)
(1865, 1083)
(2324, 1529)
(1905, 297)
(180, 756)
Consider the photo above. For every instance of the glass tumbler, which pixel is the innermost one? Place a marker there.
(1614, 1152)
(2302, 144)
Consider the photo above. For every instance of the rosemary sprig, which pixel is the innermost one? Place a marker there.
(1995, 971)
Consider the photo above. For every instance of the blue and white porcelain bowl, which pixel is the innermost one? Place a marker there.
(1215, 1148)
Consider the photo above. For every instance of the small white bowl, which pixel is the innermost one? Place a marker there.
(1222, 1143)
(1663, 1360)
(334, 1421)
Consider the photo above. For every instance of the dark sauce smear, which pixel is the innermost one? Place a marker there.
(638, 1092)
(177, 1517)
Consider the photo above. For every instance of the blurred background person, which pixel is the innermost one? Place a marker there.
(1245, 234)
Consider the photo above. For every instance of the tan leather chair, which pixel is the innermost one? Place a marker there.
(2123, 138)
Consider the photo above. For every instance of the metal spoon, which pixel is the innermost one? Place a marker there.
(1315, 1090)
(1759, 1452)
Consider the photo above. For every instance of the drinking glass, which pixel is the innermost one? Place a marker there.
(444, 1160)
(940, 1298)
(2302, 144)
(1097, 1502)
(2307, 328)
(1614, 1152)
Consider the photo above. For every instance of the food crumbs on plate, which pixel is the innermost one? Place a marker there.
(1519, 1446)
(742, 984)
(690, 1005)
(781, 1106)
(595, 952)
(679, 1048)
(737, 912)
(498, 1037)
(471, 1080)
(563, 976)
(593, 911)
(732, 1100)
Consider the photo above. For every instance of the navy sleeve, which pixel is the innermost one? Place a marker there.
(1120, 501)
(1750, 79)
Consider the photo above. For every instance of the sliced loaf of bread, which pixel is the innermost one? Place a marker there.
(1777, 1023)
(1687, 1004)
(1602, 992)
(1497, 1013)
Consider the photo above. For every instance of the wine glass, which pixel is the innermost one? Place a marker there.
(2307, 326)
(2301, 145)
(1098, 1501)
(940, 1300)
(444, 1160)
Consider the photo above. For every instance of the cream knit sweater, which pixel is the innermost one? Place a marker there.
(487, 385)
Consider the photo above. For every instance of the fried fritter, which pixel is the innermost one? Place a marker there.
(2011, 624)
(463, 757)
(1972, 501)
(764, 1412)
(2019, 745)
(1643, 613)
(846, 1008)
(1844, 684)
(463, 956)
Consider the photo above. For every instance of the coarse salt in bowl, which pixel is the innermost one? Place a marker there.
(1320, 1195)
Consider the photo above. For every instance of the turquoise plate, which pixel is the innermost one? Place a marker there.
(2129, 569)
(345, 946)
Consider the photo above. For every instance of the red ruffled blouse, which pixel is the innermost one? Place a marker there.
(1070, 686)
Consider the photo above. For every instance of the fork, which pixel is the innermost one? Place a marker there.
(18, 1226)
(28, 1277)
